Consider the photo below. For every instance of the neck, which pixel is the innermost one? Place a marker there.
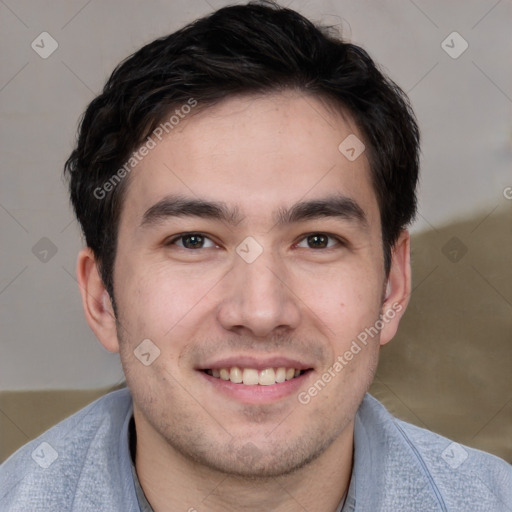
(172, 481)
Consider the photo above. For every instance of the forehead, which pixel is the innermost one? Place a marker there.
(258, 153)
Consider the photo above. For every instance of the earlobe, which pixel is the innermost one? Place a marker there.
(398, 287)
(96, 301)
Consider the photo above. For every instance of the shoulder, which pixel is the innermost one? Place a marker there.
(65, 464)
(462, 478)
(462, 474)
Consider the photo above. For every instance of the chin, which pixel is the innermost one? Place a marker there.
(247, 461)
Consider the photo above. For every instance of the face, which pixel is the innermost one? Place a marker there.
(250, 248)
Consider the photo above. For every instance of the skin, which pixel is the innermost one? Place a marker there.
(258, 154)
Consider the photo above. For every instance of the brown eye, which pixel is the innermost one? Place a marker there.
(192, 241)
(318, 241)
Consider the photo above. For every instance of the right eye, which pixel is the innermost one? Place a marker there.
(192, 241)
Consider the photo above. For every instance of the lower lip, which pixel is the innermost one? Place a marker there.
(258, 394)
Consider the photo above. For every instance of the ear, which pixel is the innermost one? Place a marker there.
(96, 301)
(398, 287)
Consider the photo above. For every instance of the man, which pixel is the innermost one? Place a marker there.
(244, 187)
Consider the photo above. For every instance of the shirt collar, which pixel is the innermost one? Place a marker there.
(132, 442)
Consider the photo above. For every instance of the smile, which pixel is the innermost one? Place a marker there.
(254, 377)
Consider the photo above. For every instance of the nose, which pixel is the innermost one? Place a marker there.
(258, 299)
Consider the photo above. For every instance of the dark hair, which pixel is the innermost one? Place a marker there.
(243, 49)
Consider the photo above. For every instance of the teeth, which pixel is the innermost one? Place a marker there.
(250, 377)
(235, 375)
(281, 375)
(267, 377)
(253, 377)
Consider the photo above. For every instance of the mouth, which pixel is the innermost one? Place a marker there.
(255, 377)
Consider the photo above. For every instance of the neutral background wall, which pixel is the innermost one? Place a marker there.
(463, 106)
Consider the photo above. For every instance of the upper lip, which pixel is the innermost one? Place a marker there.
(256, 363)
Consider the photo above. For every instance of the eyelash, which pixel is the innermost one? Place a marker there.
(339, 241)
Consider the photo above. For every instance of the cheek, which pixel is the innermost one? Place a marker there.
(348, 307)
(347, 296)
(154, 300)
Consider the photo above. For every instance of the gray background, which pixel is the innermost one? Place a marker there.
(463, 107)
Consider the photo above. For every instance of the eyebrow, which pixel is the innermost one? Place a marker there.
(337, 206)
(178, 206)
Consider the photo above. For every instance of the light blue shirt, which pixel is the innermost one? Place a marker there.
(83, 464)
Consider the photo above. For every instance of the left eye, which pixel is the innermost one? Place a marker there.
(318, 241)
(192, 241)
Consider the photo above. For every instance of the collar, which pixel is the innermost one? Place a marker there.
(132, 442)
